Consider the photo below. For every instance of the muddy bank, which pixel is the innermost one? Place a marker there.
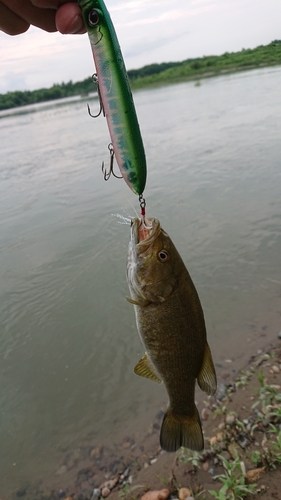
(242, 422)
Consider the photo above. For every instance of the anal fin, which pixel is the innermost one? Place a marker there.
(207, 379)
(144, 369)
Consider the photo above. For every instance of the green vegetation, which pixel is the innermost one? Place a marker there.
(157, 74)
(235, 486)
(243, 450)
(18, 98)
(194, 69)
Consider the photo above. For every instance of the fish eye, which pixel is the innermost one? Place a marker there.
(93, 18)
(163, 255)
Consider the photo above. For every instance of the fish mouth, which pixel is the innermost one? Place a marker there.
(144, 232)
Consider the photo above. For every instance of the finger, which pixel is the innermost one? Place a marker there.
(69, 19)
(49, 4)
(32, 15)
(11, 23)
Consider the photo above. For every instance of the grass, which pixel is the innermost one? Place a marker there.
(255, 441)
(234, 481)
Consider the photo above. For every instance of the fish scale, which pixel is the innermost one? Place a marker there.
(171, 325)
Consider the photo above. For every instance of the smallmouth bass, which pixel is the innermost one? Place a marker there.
(172, 328)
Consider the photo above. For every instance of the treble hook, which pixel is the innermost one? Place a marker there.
(96, 81)
(106, 174)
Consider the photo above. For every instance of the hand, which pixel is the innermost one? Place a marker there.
(16, 16)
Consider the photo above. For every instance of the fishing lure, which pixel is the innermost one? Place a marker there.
(115, 94)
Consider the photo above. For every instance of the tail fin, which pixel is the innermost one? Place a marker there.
(178, 430)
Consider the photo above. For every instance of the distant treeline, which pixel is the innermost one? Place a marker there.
(202, 67)
(57, 91)
(264, 55)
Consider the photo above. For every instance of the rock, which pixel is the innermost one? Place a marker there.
(234, 450)
(160, 414)
(204, 414)
(76, 496)
(184, 493)
(97, 451)
(254, 475)
(226, 455)
(219, 436)
(21, 492)
(206, 466)
(61, 470)
(221, 392)
(96, 494)
(156, 495)
(230, 419)
(243, 441)
(105, 492)
(275, 369)
(213, 440)
(109, 484)
(126, 472)
(126, 444)
(68, 498)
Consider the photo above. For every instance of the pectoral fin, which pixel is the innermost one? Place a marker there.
(144, 369)
(207, 379)
(140, 303)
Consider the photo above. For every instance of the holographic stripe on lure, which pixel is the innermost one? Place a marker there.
(115, 93)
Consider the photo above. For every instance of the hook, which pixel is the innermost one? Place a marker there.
(96, 81)
(106, 174)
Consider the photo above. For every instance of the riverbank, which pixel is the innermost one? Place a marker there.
(158, 74)
(210, 66)
(242, 430)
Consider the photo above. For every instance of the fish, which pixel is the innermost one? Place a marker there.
(171, 325)
(115, 94)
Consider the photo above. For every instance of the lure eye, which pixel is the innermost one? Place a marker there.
(93, 18)
(163, 255)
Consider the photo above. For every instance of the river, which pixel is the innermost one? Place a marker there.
(68, 340)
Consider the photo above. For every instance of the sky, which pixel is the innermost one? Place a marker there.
(148, 31)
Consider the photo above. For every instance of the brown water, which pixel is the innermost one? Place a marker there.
(68, 341)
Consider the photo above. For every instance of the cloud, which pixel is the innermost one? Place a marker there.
(148, 31)
(151, 45)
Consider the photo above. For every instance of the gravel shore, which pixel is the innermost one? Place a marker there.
(242, 431)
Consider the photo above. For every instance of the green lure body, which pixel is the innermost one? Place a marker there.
(115, 93)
